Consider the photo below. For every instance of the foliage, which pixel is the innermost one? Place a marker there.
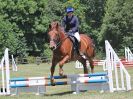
(31, 59)
(10, 39)
(24, 23)
(47, 52)
(117, 23)
(32, 18)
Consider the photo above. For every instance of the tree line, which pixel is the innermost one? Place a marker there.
(24, 23)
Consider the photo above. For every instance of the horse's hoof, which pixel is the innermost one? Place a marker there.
(52, 84)
(64, 76)
(61, 74)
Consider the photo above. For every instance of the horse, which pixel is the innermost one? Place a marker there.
(62, 48)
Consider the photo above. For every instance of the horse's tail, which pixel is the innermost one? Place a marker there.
(94, 52)
(92, 45)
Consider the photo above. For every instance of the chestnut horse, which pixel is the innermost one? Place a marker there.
(62, 48)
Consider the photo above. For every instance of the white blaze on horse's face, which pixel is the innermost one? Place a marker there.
(53, 39)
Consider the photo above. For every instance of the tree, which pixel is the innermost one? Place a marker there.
(117, 24)
(10, 39)
(32, 18)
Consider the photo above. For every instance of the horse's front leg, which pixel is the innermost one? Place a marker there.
(54, 63)
(61, 63)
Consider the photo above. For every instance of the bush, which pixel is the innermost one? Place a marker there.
(31, 59)
(47, 52)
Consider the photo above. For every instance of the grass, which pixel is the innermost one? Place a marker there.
(62, 92)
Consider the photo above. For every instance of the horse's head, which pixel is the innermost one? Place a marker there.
(54, 34)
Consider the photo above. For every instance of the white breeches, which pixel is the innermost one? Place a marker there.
(77, 36)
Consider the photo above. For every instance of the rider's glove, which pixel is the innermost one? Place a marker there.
(70, 31)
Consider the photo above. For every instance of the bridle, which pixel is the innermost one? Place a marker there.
(58, 41)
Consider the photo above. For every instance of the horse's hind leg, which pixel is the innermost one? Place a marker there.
(90, 55)
(91, 64)
(83, 61)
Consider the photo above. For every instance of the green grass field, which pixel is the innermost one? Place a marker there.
(63, 92)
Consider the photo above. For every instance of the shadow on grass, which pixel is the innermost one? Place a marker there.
(61, 93)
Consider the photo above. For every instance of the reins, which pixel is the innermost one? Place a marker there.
(59, 43)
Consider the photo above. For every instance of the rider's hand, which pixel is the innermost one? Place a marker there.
(70, 31)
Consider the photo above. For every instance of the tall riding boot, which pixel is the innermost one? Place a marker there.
(77, 47)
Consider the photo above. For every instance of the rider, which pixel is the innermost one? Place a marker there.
(70, 24)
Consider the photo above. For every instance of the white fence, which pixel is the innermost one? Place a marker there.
(111, 64)
(128, 54)
(5, 74)
(112, 60)
(14, 66)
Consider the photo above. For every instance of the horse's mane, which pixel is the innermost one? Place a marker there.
(56, 25)
(60, 28)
